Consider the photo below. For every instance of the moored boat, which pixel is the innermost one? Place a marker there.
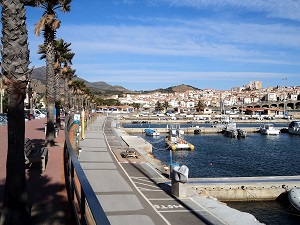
(242, 133)
(175, 141)
(230, 130)
(151, 132)
(294, 127)
(269, 129)
(294, 198)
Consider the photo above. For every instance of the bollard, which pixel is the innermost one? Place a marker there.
(179, 181)
(179, 189)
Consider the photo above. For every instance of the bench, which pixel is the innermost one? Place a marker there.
(35, 154)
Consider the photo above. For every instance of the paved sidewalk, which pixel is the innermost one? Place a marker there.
(46, 191)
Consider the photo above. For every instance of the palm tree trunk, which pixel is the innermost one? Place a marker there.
(50, 79)
(57, 98)
(15, 61)
(66, 90)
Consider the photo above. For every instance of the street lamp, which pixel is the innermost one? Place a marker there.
(284, 107)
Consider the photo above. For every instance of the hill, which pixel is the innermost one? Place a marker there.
(178, 88)
(97, 87)
(103, 88)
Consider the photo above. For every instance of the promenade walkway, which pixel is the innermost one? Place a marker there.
(133, 192)
(46, 191)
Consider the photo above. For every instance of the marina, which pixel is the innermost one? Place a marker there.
(256, 156)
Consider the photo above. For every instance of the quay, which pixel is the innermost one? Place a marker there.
(134, 190)
(225, 188)
(190, 130)
(245, 188)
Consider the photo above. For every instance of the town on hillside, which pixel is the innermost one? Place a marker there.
(251, 99)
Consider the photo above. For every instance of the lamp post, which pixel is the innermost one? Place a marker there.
(171, 163)
(284, 107)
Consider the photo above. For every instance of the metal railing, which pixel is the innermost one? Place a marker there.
(84, 203)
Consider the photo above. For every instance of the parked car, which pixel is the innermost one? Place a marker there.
(29, 116)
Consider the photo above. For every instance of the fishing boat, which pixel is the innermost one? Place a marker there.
(294, 127)
(230, 130)
(269, 129)
(151, 132)
(175, 141)
(294, 198)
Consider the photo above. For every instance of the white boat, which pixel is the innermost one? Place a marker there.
(294, 127)
(151, 132)
(294, 198)
(269, 129)
(175, 141)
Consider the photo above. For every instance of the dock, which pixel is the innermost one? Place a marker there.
(190, 130)
(244, 188)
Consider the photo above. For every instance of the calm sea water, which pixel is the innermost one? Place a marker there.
(258, 155)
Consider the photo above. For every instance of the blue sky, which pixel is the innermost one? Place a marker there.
(150, 44)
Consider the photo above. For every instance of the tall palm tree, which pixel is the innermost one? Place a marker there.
(15, 62)
(67, 74)
(64, 57)
(49, 24)
(77, 88)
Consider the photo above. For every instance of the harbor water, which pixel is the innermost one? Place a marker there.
(257, 155)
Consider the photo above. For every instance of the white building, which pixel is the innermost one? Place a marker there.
(271, 97)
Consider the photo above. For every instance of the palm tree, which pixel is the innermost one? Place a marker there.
(77, 88)
(49, 24)
(67, 74)
(15, 62)
(166, 105)
(200, 106)
(62, 56)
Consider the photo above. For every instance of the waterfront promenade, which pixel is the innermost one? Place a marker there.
(132, 191)
(47, 194)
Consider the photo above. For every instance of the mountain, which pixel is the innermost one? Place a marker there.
(107, 89)
(178, 88)
(98, 87)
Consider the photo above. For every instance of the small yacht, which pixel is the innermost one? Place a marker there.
(294, 127)
(151, 132)
(269, 129)
(294, 198)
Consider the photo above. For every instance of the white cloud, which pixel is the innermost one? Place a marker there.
(108, 73)
(238, 41)
(281, 9)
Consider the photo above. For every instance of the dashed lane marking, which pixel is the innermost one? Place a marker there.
(147, 185)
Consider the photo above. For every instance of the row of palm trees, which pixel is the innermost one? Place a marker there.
(15, 71)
